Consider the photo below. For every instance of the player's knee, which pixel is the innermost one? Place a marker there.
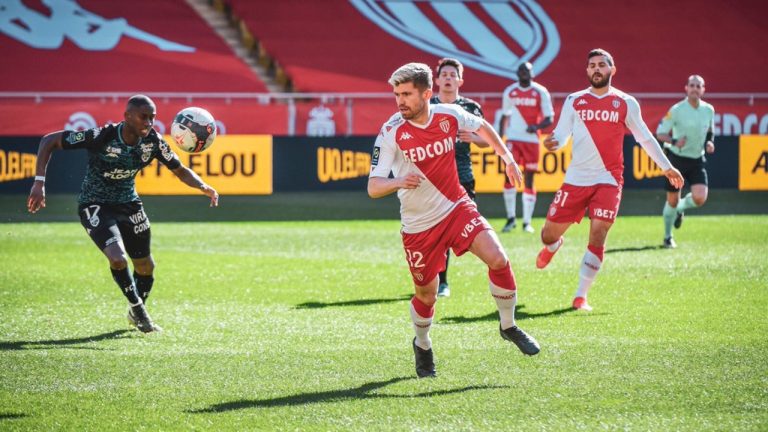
(699, 200)
(498, 261)
(144, 266)
(117, 261)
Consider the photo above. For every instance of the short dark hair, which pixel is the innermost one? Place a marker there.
(417, 73)
(139, 101)
(447, 61)
(601, 52)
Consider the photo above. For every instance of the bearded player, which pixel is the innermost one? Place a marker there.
(596, 118)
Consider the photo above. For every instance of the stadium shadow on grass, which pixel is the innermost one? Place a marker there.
(49, 344)
(494, 316)
(357, 393)
(361, 302)
(635, 249)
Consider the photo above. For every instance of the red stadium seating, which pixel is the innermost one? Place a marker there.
(115, 46)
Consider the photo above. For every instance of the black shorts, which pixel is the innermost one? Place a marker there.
(111, 223)
(470, 188)
(693, 171)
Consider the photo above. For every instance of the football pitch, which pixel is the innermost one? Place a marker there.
(305, 326)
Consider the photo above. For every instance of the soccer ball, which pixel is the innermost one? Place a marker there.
(193, 129)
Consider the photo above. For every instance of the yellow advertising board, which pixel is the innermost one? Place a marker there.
(489, 169)
(233, 165)
(753, 162)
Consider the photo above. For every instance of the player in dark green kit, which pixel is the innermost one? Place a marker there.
(109, 207)
(450, 77)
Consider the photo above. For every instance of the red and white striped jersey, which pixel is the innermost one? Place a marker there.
(597, 124)
(403, 147)
(525, 106)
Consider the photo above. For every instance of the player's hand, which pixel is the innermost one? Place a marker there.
(550, 142)
(680, 142)
(36, 199)
(212, 194)
(514, 174)
(710, 147)
(411, 181)
(531, 129)
(675, 178)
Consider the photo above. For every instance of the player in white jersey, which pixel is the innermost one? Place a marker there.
(527, 108)
(596, 118)
(417, 146)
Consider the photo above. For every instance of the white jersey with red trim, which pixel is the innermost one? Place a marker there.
(597, 124)
(403, 147)
(525, 106)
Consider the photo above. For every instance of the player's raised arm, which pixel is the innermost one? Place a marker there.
(191, 179)
(48, 144)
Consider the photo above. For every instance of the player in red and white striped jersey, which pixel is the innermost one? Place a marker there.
(596, 118)
(417, 146)
(527, 109)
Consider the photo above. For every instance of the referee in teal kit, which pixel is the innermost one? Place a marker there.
(689, 127)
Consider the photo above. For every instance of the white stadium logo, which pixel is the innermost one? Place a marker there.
(80, 120)
(524, 21)
(67, 19)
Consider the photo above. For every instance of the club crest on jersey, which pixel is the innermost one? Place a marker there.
(616, 103)
(438, 148)
(490, 39)
(445, 125)
(76, 137)
(113, 152)
(146, 150)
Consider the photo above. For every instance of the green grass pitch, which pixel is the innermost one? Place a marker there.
(305, 326)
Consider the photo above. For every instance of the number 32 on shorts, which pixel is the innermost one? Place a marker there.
(415, 258)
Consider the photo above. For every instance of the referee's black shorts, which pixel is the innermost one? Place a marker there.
(693, 171)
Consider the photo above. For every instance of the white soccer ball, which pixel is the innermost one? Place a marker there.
(193, 129)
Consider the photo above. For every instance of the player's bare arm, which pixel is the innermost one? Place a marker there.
(48, 145)
(488, 133)
(472, 137)
(191, 179)
(551, 143)
(502, 125)
(675, 177)
(709, 146)
(541, 125)
(379, 186)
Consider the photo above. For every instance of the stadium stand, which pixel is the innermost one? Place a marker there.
(346, 50)
(96, 46)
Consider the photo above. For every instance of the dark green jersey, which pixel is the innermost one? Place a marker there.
(113, 164)
(463, 161)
